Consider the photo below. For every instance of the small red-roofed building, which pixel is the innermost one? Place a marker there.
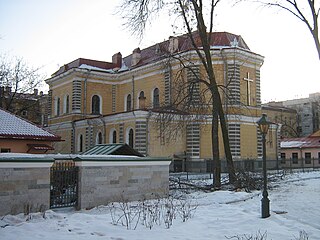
(21, 136)
(301, 152)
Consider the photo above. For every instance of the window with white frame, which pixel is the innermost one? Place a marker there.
(66, 104)
(141, 100)
(113, 136)
(128, 103)
(95, 105)
(80, 143)
(130, 137)
(156, 98)
(57, 106)
(99, 138)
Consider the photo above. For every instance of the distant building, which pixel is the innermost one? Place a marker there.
(30, 106)
(308, 117)
(21, 136)
(301, 152)
(285, 118)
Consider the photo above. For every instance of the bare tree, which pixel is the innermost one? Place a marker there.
(16, 77)
(195, 15)
(307, 11)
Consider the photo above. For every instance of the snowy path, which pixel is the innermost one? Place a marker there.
(219, 214)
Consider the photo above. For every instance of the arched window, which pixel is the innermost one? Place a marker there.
(156, 98)
(130, 137)
(113, 136)
(58, 106)
(80, 143)
(142, 100)
(129, 102)
(95, 104)
(66, 104)
(99, 138)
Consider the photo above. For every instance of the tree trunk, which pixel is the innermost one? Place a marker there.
(215, 146)
(226, 144)
(316, 41)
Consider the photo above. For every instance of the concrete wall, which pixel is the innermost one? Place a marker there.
(25, 183)
(24, 187)
(101, 183)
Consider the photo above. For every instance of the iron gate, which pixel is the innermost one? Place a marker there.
(63, 184)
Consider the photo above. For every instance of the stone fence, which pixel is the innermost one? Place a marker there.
(25, 180)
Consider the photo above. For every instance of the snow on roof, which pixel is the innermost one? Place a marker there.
(292, 144)
(15, 127)
(304, 142)
(89, 67)
(86, 66)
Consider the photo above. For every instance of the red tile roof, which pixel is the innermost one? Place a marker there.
(78, 62)
(160, 50)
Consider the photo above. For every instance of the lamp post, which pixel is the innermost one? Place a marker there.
(264, 124)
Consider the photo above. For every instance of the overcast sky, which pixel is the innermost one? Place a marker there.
(52, 33)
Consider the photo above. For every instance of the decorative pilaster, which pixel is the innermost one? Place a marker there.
(49, 103)
(167, 86)
(113, 98)
(76, 96)
(258, 90)
(259, 143)
(121, 133)
(193, 140)
(141, 137)
(233, 83)
(193, 76)
(234, 139)
(89, 137)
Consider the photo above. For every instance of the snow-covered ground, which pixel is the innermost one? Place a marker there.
(294, 204)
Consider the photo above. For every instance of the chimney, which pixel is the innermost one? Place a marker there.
(117, 60)
(136, 57)
(173, 44)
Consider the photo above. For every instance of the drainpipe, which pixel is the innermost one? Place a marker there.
(133, 98)
(89, 134)
(147, 132)
(73, 140)
(225, 76)
(277, 147)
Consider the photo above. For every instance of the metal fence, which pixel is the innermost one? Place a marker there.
(206, 166)
(63, 184)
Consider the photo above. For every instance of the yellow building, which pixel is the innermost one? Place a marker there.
(96, 102)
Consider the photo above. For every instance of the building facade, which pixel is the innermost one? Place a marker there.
(30, 106)
(308, 113)
(92, 102)
(286, 119)
(303, 152)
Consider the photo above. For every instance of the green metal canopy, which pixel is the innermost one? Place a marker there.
(113, 149)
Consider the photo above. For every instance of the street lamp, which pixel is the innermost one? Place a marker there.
(264, 124)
